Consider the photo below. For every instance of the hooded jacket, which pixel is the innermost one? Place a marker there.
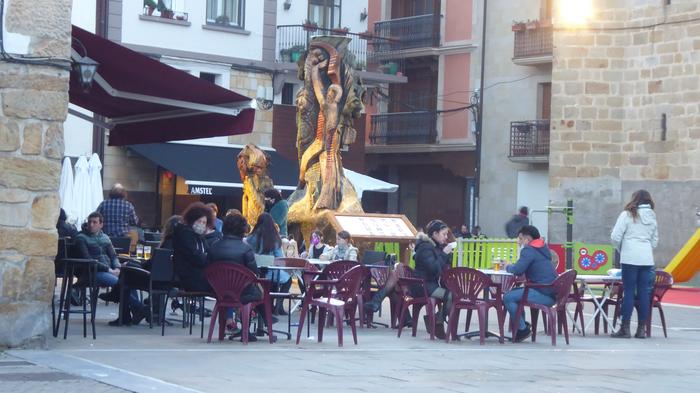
(190, 258)
(536, 263)
(636, 239)
(430, 260)
(515, 223)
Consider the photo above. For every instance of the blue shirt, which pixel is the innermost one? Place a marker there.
(118, 215)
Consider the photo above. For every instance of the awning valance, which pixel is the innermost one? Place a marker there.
(146, 101)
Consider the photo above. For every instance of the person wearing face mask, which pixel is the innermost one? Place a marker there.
(535, 263)
(318, 247)
(343, 250)
(190, 247)
(432, 256)
(278, 209)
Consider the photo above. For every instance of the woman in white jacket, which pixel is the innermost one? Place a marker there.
(635, 236)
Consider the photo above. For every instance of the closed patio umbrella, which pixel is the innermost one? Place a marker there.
(65, 189)
(364, 183)
(81, 191)
(95, 181)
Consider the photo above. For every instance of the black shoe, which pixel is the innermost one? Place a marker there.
(174, 305)
(440, 330)
(111, 296)
(522, 334)
(141, 314)
(127, 322)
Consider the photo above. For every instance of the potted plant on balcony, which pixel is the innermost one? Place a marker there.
(310, 26)
(165, 12)
(340, 30)
(150, 6)
(532, 24)
(518, 26)
(296, 52)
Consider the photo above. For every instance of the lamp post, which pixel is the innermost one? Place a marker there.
(85, 67)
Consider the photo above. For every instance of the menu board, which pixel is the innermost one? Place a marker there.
(376, 226)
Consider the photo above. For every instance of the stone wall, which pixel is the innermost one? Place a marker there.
(612, 83)
(246, 83)
(34, 103)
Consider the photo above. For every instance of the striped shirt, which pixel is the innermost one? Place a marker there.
(118, 215)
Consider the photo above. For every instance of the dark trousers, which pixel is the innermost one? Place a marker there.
(636, 289)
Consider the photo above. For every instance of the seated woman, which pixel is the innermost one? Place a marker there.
(168, 231)
(190, 248)
(232, 249)
(343, 250)
(265, 240)
(318, 247)
(432, 256)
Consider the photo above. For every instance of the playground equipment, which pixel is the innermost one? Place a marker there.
(687, 262)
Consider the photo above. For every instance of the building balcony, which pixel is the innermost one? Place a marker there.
(533, 44)
(404, 128)
(529, 141)
(397, 37)
(293, 41)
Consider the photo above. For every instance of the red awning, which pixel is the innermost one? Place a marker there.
(147, 101)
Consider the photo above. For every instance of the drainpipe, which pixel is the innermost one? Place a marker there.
(480, 117)
(98, 133)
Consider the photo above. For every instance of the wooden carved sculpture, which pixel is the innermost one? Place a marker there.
(252, 164)
(327, 105)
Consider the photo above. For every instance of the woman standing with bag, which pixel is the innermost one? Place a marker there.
(635, 235)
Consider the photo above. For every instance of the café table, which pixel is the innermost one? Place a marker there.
(275, 273)
(498, 278)
(598, 301)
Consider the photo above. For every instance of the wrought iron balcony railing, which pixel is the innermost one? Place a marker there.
(422, 31)
(404, 128)
(529, 139)
(293, 40)
(535, 42)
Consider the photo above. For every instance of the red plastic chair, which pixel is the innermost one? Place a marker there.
(334, 271)
(380, 277)
(228, 281)
(466, 284)
(339, 302)
(556, 314)
(664, 282)
(407, 279)
(504, 284)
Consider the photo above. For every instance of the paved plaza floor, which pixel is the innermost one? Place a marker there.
(138, 359)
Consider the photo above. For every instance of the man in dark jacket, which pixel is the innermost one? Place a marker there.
(536, 263)
(516, 222)
(433, 254)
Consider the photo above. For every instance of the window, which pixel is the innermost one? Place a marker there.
(325, 13)
(288, 94)
(226, 12)
(207, 76)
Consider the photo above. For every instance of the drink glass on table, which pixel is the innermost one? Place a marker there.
(139, 251)
(497, 264)
(147, 252)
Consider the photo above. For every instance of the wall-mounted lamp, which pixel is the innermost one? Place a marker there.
(363, 15)
(263, 100)
(85, 67)
(287, 5)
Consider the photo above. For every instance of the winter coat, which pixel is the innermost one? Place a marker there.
(514, 224)
(536, 263)
(430, 261)
(635, 239)
(349, 253)
(190, 258)
(279, 212)
(232, 249)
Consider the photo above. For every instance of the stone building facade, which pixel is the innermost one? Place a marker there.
(625, 116)
(34, 105)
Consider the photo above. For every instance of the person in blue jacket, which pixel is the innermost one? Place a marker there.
(535, 263)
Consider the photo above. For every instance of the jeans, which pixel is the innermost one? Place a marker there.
(107, 279)
(446, 296)
(512, 299)
(636, 287)
(277, 276)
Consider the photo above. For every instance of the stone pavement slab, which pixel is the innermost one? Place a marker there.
(381, 362)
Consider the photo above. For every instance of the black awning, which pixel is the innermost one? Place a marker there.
(211, 170)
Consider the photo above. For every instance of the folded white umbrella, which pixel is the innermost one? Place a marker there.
(81, 191)
(95, 181)
(364, 183)
(65, 189)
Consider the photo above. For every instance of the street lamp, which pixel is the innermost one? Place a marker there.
(85, 67)
(575, 13)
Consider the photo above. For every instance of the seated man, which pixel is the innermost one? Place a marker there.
(92, 243)
(535, 262)
(232, 249)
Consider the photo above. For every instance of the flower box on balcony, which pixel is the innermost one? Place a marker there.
(532, 25)
(310, 26)
(518, 26)
(150, 6)
(340, 31)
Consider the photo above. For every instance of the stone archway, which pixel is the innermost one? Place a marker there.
(34, 103)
